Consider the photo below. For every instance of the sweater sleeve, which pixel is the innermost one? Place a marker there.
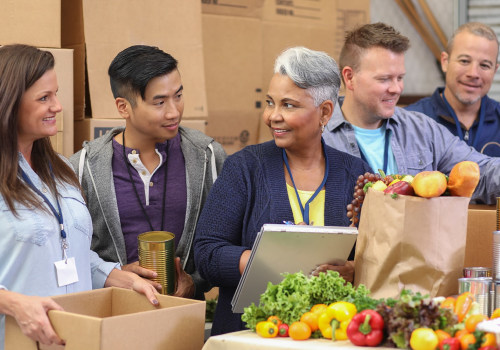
(218, 243)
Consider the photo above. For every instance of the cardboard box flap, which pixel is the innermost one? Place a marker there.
(123, 302)
(156, 321)
(67, 326)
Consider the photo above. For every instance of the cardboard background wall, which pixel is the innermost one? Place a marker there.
(241, 40)
(174, 26)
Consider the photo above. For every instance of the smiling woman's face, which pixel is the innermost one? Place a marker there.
(37, 110)
(290, 114)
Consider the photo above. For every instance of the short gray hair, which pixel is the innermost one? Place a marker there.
(312, 70)
(476, 28)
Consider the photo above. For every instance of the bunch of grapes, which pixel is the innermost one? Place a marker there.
(354, 208)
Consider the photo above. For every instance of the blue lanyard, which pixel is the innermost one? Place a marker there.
(58, 214)
(482, 112)
(386, 151)
(305, 209)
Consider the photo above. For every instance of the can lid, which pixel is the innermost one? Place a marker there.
(155, 236)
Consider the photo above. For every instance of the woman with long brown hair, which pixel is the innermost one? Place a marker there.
(45, 225)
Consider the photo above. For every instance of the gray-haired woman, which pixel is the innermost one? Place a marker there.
(294, 177)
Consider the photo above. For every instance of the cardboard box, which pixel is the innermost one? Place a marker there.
(481, 223)
(57, 139)
(32, 22)
(64, 71)
(241, 40)
(173, 26)
(244, 8)
(72, 37)
(91, 128)
(234, 79)
(115, 318)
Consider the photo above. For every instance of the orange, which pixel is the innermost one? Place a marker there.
(299, 331)
(448, 303)
(472, 321)
(319, 308)
(460, 333)
(466, 340)
(311, 318)
(442, 335)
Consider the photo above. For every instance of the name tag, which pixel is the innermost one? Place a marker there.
(66, 272)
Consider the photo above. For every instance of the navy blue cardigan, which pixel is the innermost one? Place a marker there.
(251, 191)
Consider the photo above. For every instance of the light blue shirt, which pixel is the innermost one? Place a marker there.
(418, 144)
(372, 142)
(31, 243)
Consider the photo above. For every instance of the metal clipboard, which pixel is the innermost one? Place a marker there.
(280, 248)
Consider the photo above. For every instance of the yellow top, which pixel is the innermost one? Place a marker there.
(316, 207)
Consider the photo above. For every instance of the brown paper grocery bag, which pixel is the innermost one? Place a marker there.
(411, 242)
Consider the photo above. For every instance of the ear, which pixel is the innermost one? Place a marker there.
(444, 61)
(348, 75)
(326, 109)
(123, 107)
(496, 68)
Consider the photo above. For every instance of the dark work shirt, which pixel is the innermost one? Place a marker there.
(133, 222)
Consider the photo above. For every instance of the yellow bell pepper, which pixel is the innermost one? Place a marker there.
(334, 320)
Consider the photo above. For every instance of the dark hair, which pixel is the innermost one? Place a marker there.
(133, 68)
(20, 67)
(368, 36)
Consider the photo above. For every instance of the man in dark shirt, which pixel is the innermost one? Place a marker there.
(462, 106)
(152, 175)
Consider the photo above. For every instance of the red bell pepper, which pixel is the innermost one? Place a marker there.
(450, 344)
(366, 328)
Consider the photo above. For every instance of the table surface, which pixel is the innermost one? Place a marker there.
(248, 340)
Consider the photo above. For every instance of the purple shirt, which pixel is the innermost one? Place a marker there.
(133, 222)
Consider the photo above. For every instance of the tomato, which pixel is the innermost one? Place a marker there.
(467, 340)
(442, 335)
(275, 320)
(266, 329)
(423, 339)
(472, 321)
(299, 331)
(311, 318)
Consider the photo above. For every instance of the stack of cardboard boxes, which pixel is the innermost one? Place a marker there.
(38, 23)
(173, 26)
(242, 38)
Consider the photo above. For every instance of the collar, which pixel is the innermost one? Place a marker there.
(491, 112)
(338, 118)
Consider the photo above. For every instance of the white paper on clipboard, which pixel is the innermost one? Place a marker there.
(280, 248)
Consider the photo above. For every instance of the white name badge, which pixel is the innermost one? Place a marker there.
(66, 272)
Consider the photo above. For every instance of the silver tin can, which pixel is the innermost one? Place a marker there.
(496, 256)
(496, 296)
(481, 288)
(477, 271)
